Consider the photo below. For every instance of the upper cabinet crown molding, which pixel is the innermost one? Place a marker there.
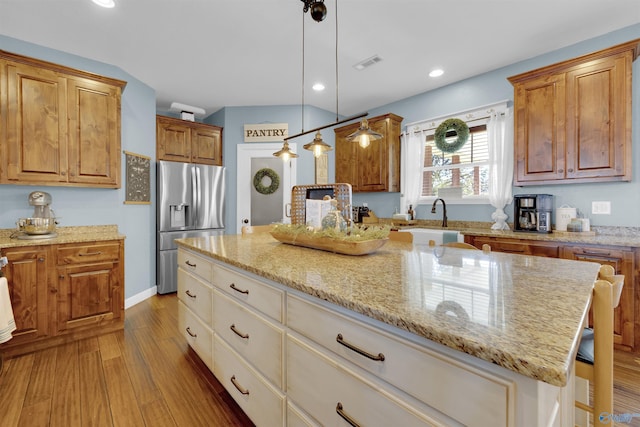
(59, 126)
(573, 119)
(62, 69)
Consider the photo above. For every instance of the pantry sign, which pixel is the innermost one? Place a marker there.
(266, 132)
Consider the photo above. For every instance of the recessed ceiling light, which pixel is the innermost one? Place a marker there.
(105, 3)
(318, 87)
(436, 73)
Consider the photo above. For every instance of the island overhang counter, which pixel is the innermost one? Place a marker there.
(521, 315)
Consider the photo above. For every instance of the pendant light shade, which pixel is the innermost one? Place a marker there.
(318, 146)
(364, 135)
(285, 153)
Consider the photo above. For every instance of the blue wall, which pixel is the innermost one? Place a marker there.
(88, 206)
(493, 87)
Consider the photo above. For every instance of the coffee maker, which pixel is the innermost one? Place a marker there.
(532, 212)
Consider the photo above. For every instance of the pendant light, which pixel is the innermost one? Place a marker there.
(364, 135)
(285, 153)
(318, 146)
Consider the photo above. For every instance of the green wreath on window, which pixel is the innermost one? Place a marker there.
(459, 127)
(272, 175)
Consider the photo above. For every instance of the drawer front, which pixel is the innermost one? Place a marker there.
(195, 264)
(196, 295)
(81, 254)
(257, 339)
(261, 296)
(297, 418)
(329, 388)
(198, 335)
(263, 403)
(426, 375)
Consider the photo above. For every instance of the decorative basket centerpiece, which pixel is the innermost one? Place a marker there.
(357, 240)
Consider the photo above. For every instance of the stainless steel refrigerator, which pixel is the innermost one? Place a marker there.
(190, 203)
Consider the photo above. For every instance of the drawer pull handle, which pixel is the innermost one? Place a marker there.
(90, 253)
(378, 357)
(189, 264)
(188, 292)
(191, 333)
(345, 416)
(596, 253)
(238, 386)
(233, 286)
(238, 333)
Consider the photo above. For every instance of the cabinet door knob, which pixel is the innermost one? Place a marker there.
(569, 170)
(41, 259)
(61, 276)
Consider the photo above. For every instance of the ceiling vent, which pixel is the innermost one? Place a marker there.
(367, 62)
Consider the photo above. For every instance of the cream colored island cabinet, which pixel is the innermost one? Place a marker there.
(289, 357)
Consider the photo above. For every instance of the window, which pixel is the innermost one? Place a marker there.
(462, 177)
(466, 170)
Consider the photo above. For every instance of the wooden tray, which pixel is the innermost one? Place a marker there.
(345, 247)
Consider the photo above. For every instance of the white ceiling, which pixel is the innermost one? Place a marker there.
(216, 53)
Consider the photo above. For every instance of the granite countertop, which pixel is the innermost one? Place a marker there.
(607, 236)
(523, 313)
(78, 234)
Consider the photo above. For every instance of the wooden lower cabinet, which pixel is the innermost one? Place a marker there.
(61, 293)
(623, 259)
(29, 292)
(623, 262)
(545, 249)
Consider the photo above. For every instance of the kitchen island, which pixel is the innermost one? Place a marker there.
(468, 338)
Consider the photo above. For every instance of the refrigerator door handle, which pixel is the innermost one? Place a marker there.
(195, 194)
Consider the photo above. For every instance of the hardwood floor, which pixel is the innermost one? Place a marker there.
(142, 376)
(147, 376)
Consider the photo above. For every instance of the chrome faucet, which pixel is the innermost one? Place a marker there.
(444, 211)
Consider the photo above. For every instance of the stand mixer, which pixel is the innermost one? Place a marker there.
(43, 223)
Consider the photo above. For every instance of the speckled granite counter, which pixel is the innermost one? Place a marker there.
(611, 236)
(88, 233)
(519, 312)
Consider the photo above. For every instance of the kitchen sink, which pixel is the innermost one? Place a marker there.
(421, 236)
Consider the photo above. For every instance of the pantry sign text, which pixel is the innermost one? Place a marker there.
(266, 132)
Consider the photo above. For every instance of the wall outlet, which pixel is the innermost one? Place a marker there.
(601, 208)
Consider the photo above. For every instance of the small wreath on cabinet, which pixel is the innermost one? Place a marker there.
(273, 177)
(456, 125)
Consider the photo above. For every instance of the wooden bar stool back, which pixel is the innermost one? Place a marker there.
(594, 362)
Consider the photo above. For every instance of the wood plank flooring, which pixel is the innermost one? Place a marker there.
(142, 376)
(147, 376)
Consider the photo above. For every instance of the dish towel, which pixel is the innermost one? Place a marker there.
(7, 322)
(449, 236)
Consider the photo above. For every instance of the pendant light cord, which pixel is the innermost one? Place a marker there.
(302, 118)
(337, 115)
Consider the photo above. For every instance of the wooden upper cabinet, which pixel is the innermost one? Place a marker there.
(375, 168)
(36, 125)
(60, 126)
(94, 133)
(573, 119)
(184, 141)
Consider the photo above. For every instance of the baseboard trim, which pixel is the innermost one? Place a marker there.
(139, 297)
